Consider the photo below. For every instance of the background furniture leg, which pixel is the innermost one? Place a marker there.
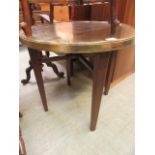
(37, 67)
(28, 75)
(72, 67)
(54, 67)
(68, 68)
(110, 73)
(99, 76)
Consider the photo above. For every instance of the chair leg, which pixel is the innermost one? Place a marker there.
(55, 69)
(72, 67)
(99, 76)
(37, 67)
(68, 68)
(110, 73)
(28, 75)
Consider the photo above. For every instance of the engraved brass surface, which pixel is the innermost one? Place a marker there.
(69, 2)
(78, 37)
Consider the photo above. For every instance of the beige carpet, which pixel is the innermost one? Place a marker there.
(64, 129)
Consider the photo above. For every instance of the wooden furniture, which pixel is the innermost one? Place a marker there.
(78, 10)
(98, 39)
(124, 59)
(75, 8)
(31, 5)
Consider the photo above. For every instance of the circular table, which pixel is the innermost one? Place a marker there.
(78, 37)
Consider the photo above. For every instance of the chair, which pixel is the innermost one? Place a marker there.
(31, 5)
(73, 15)
(48, 18)
(94, 38)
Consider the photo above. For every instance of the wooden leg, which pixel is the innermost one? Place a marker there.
(54, 67)
(110, 73)
(72, 62)
(68, 68)
(37, 67)
(72, 67)
(99, 76)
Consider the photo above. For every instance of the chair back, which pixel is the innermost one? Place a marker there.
(27, 13)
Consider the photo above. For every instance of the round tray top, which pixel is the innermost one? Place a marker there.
(69, 2)
(76, 2)
(78, 37)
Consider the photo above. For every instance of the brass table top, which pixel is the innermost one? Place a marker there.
(69, 2)
(78, 37)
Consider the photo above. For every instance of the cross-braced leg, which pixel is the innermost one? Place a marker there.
(99, 76)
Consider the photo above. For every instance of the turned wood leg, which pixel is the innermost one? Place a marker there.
(68, 68)
(28, 75)
(99, 76)
(54, 67)
(110, 72)
(36, 56)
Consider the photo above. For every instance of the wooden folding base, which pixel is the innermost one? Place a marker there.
(100, 68)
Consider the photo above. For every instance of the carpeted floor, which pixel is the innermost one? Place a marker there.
(64, 129)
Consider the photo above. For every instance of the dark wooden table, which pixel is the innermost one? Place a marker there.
(79, 37)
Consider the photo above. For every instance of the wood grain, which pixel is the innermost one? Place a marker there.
(78, 37)
(125, 62)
